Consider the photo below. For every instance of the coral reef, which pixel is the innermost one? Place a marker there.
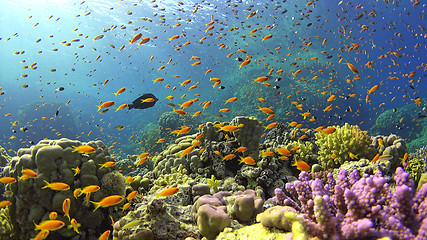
(4, 157)
(357, 207)
(55, 161)
(337, 147)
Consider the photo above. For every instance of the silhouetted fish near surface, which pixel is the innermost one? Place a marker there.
(139, 103)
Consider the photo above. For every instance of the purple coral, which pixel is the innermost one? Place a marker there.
(359, 207)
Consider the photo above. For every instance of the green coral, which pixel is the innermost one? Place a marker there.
(305, 151)
(4, 157)
(7, 230)
(345, 140)
(214, 183)
(175, 178)
(112, 183)
(254, 231)
(415, 169)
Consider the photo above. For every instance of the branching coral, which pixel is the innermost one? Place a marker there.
(354, 208)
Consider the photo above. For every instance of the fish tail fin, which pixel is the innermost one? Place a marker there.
(47, 184)
(99, 108)
(115, 94)
(96, 204)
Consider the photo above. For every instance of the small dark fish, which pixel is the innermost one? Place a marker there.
(394, 109)
(239, 59)
(23, 129)
(73, 69)
(421, 116)
(14, 131)
(119, 127)
(308, 25)
(60, 89)
(276, 87)
(278, 79)
(171, 105)
(31, 142)
(220, 115)
(359, 16)
(139, 104)
(276, 94)
(56, 113)
(105, 110)
(221, 87)
(412, 87)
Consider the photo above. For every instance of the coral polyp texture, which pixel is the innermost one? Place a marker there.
(337, 147)
(355, 207)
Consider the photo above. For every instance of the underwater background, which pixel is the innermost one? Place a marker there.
(67, 68)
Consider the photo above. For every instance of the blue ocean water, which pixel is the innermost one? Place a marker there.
(316, 37)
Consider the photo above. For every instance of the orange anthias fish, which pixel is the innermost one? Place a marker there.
(120, 91)
(247, 160)
(168, 192)
(106, 104)
(187, 151)
(108, 201)
(58, 186)
(131, 195)
(7, 180)
(329, 130)
(28, 173)
(105, 235)
(244, 63)
(284, 151)
(66, 207)
(229, 128)
(301, 165)
(135, 38)
(89, 189)
(271, 125)
(50, 225)
(74, 225)
(107, 164)
(352, 68)
(84, 149)
(5, 203)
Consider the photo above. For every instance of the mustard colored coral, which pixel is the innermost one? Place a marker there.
(338, 147)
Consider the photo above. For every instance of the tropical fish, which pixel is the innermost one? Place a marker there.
(105, 235)
(66, 204)
(50, 225)
(7, 180)
(284, 151)
(53, 215)
(140, 104)
(89, 189)
(168, 192)
(247, 160)
(131, 195)
(108, 201)
(84, 149)
(5, 203)
(120, 91)
(107, 164)
(329, 130)
(301, 165)
(74, 225)
(228, 157)
(57, 186)
(27, 173)
(271, 125)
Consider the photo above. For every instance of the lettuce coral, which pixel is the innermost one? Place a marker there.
(335, 148)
